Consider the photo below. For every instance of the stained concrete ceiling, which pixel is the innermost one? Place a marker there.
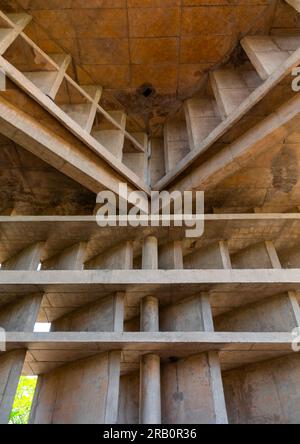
(168, 44)
(89, 30)
(270, 182)
(30, 186)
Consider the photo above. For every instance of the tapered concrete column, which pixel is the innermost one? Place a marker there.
(150, 254)
(150, 395)
(149, 314)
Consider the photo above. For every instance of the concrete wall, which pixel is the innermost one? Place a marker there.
(253, 257)
(132, 324)
(78, 393)
(71, 258)
(86, 391)
(291, 258)
(191, 388)
(118, 258)
(205, 258)
(21, 314)
(98, 316)
(129, 399)
(264, 393)
(186, 392)
(170, 256)
(184, 316)
(27, 259)
(274, 314)
(106, 314)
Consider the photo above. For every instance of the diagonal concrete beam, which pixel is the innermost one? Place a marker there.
(73, 160)
(267, 133)
(276, 118)
(294, 3)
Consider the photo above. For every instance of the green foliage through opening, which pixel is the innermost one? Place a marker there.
(23, 400)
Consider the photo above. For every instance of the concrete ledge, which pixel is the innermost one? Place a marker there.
(58, 279)
(60, 232)
(149, 340)
(47, 351)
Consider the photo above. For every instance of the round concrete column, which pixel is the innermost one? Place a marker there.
(150, 253)
(150, 398)
(150, 401)
(149, 314)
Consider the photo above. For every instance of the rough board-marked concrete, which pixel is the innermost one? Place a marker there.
(149, 326)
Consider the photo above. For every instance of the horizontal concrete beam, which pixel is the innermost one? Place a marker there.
(207, 217)
(60, 232)
(52, 350)
(59, 279)
(145, 341)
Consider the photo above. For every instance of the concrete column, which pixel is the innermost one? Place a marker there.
(150, 254)
(149, 314)
(150, 395)
(150, 398)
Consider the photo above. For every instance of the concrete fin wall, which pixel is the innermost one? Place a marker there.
(264, 393)
(170, 256)
(21, 314)
(129, 399)
(17, 316)
(84, 392)
(291, 258)
(275, 314)
(117, 258)
(256, 256)
(27, 259)
(205, 258)
(187, 315)
(71, 258)
(69, 394)
(107, 314)
(186, 392)
(11, 364)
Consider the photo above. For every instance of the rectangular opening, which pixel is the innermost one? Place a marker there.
(21, 409)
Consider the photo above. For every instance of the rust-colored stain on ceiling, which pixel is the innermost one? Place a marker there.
(124, 44)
